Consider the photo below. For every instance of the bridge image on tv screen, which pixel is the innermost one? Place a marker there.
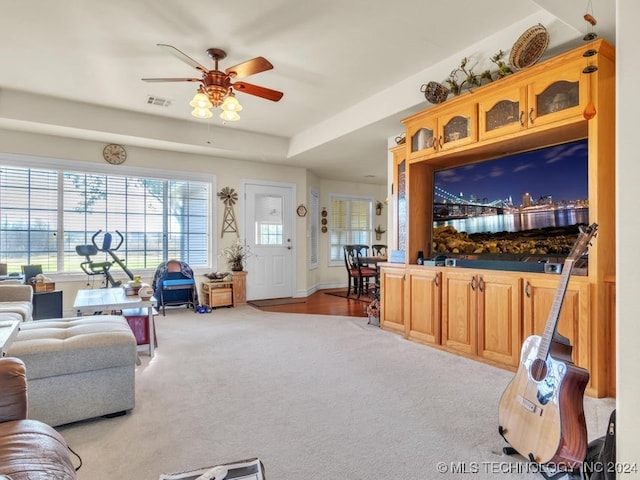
(513, 204)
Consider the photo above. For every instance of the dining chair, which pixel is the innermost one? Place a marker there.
(379, 250)
(363, 251)
(359, 274)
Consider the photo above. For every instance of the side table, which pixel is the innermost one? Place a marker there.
(217, 294)
(239, 288)
(47, 305)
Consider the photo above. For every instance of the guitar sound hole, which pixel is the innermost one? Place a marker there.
(538, 369)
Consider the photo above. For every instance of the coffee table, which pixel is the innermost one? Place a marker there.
(106, 299)
(8, 332)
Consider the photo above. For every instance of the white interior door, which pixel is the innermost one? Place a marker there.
(269, 234)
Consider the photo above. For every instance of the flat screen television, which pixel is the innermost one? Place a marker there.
(523, 207)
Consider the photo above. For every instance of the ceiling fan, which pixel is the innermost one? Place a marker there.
(217, 85)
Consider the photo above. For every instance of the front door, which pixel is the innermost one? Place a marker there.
(268, 223)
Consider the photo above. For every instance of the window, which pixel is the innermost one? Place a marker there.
(350, 223)
(45, 213)
(269, 219)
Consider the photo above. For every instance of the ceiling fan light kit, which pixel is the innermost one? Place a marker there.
(201, 113)
(231, 103)
(216, 89)
(230, 108)
(229, 116)
(201, 106)
(200, 100)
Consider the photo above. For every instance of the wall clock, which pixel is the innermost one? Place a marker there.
(302, 210)
(114, 154)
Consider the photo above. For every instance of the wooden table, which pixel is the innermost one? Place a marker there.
(8, 332)
(371, 260)
(106, 299)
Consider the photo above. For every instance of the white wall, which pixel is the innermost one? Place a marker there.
(229, 173)
(337, 276)
(628, 255)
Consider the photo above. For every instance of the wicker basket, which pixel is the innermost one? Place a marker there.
(435, 92)
(529, 47)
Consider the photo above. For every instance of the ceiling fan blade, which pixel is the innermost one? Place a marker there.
(182, 56)
(250, 67)
(172, 80)
(263, 92)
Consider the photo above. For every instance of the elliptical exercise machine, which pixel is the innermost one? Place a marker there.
(92, 268)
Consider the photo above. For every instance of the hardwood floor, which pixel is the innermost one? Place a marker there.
(322, 304)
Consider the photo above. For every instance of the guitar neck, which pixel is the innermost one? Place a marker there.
(554, 312)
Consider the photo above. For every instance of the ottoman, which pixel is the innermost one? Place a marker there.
(77, 368)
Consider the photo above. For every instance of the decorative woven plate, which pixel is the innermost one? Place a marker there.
(529, 47)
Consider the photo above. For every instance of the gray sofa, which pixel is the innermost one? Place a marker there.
(16, 301)
(78, 368)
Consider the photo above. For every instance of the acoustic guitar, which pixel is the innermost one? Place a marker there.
(541, 413)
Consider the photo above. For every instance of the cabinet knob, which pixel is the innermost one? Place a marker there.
(531, 116)
(522, 118)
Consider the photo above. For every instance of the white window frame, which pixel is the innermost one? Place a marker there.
(339, 260)
(62, 165)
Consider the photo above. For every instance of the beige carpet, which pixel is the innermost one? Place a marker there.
(315, 397)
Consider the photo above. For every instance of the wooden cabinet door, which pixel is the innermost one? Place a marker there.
(423, 306)
(499, 318)
(557, 94)
(422, 136)
(457, 126)
(502, 112)
(392, 299)
(459, 311)
(574, 319)
(399, 196)
(445, 129)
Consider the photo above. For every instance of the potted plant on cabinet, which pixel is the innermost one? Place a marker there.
(235, 254)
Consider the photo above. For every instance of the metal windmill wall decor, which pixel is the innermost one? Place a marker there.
(229, 197)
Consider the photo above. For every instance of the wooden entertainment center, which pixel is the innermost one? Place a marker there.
(486, 314)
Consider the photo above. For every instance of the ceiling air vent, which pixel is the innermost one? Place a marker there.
(162, 102)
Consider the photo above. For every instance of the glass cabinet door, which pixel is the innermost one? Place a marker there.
(502, 112)
(402, 220)
(557, 98)
(422, 139)
(457, 126)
